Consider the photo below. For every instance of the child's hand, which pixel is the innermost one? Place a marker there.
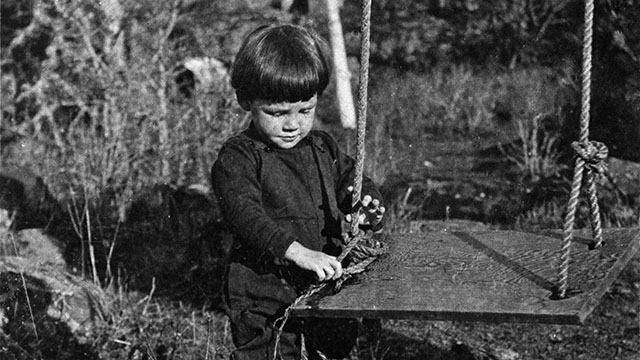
(371, 212)
(326, 267)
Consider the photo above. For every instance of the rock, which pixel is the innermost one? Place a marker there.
(27, 199)
(503, 354)
(204, 75)
(33, 262)
(31, 250)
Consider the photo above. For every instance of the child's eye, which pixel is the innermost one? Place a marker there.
(274, 113)
(305, 111)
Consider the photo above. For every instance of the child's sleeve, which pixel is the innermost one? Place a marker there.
(236, 183)
(345, 168)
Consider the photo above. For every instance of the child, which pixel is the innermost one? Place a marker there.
(284, 189)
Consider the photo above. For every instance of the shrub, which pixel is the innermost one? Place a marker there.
(418, 34)
(104, 118)
(533, 106)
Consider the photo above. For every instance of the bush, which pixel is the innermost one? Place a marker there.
(104, 118)
(420, 34)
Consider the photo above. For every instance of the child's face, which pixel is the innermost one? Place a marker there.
(283, 124)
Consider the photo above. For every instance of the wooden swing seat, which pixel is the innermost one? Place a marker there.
(488, 276)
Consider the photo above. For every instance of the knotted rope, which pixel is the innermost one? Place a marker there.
(361, 256)
(361, 248)
(590, 155)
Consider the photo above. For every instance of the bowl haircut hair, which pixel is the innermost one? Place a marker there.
(281, 63)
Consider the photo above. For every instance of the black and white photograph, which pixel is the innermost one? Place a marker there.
(319, 179)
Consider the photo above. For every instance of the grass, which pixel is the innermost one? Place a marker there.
(101, 170)
(406, 108)
(143, 326)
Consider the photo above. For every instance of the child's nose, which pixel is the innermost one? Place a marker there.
(291, 123)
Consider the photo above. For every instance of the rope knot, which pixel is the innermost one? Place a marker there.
(594, 154)
(368, 248)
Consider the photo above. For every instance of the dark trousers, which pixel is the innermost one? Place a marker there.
(255, 302)
(334, 338)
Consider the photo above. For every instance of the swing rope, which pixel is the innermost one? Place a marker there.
(361, 248)
(590, 156)
(358, 249)
(361, 125)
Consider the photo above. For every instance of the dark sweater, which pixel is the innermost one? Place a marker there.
(272, 197)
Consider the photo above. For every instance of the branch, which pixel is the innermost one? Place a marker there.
(85, 32)
(175, 11)
(549, 20)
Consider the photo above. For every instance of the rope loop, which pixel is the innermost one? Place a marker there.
(364, 251)
(594, 154)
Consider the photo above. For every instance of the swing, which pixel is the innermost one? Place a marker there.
(488, 276)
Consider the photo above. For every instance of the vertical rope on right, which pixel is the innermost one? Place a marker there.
(580, 162)
(361, 125)
(563, 275)
(586, 71)
(596, 226)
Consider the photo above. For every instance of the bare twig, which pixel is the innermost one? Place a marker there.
(150, 296)
(206, 354)
(175, 10)
(92, 255)
(85, 32)
(76, 221)
(24, 285)
(193, 323)
(111, 248)
(550, 17)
